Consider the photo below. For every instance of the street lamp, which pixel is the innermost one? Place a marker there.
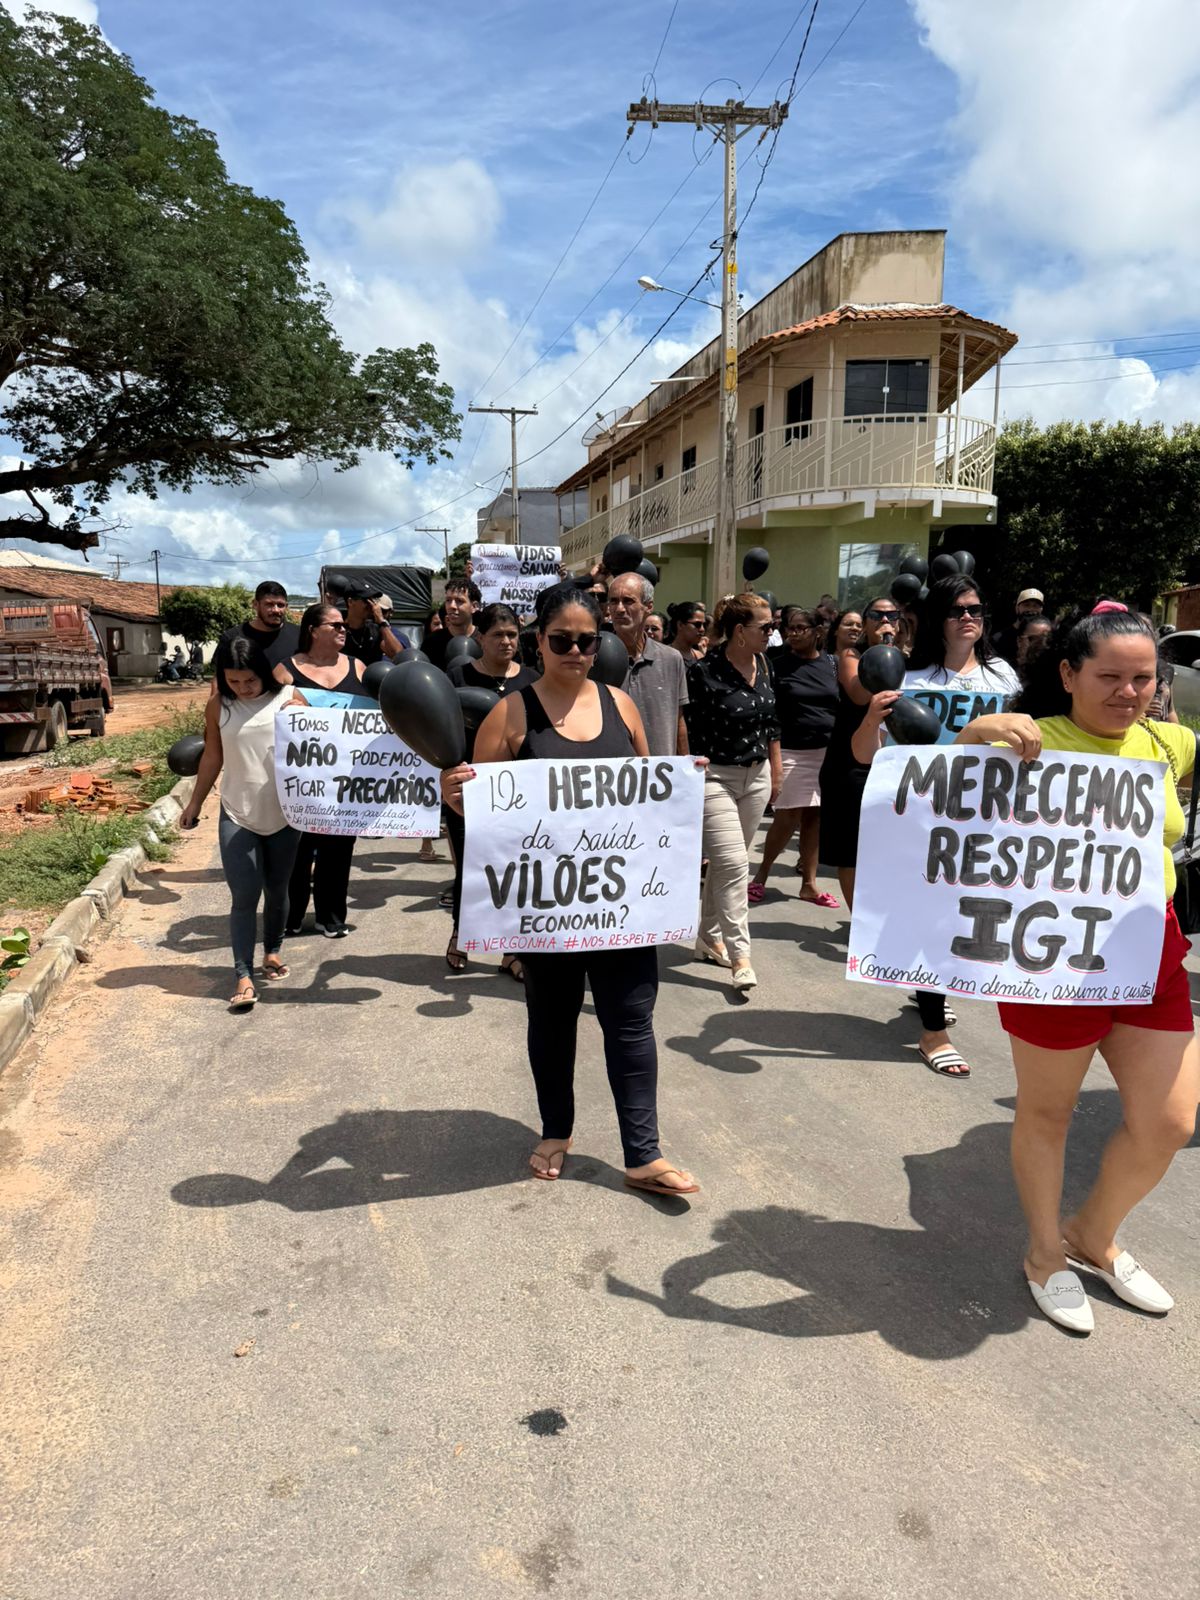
(646, 282)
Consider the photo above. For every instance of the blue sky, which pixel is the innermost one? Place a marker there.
(437, 162)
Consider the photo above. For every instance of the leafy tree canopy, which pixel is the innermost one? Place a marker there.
(200, 615)
(459, 557)
(1088, 509)
(157, 322)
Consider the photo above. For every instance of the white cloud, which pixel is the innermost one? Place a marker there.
(82, 10)
(446, 213)
(1073, 195)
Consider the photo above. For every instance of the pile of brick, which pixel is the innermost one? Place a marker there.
(87, 792)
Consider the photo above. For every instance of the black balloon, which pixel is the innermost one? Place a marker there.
(610, 664)
(647, 570)
(772, 601)
(944, 566)
(476, 703)
(183, 757)
(463, 647)
(374, 675)
(906, 587)
(966, 562)
(917, 565)
(924, 594)
(911, 722)
(409, 653)
(421, 706)
(881, 667)
(622, 554)
(754, 563)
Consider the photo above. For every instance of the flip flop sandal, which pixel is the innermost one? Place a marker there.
(446, 898)
(512, 965)
(274, 974)
(652, 1185)
(547, 1156)
(244, 1001)
(456, 959)
(755, 893)
(944, 1060)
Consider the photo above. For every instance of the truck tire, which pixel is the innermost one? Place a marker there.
(55, 730)
(95, 725)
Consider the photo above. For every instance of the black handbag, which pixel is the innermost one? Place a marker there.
(1186, 856)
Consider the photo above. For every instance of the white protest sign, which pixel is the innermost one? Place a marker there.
(343, 771)
(581, 855)
(996, 879)
(514, 574)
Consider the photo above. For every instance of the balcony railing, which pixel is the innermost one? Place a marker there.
(899, 453)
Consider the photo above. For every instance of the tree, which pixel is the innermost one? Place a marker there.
(158, 326)
(201, 615)
(459, 557)
(1091, 508)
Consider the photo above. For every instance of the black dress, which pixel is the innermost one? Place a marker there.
(322, 866)
(843, 780)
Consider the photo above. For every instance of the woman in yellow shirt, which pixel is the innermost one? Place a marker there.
(1090, 691)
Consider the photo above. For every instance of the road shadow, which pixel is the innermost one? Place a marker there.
(936, 1292)
(827, 944)
(392, 1155)
(154, 884)
(743, 1040)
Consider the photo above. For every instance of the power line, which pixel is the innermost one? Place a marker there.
(663, 41)
(788, 98)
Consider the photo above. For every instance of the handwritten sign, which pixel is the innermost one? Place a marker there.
(581, 855)
(995, 879)
(343, 771)
(515, 574)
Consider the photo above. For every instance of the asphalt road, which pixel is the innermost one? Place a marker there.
(822, 1377)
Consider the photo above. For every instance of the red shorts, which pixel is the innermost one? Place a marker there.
(1073, 1027)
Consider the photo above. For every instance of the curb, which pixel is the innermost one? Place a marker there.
(65, 941)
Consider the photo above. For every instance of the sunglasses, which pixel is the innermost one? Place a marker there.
(562, 643)
(758, 627)
(334, 627)
(874, 615)
(963, 613)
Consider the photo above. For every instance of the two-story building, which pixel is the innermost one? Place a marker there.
(854, 444)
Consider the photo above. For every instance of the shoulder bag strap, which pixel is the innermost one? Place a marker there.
(1190, 835)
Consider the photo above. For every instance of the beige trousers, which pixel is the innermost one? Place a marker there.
(734, 801)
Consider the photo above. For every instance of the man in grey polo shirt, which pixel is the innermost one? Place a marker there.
(657, 678)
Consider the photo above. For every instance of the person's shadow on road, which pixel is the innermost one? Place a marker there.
(391, 1155)
(936, 1291)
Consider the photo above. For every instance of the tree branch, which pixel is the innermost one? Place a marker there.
(43, 531)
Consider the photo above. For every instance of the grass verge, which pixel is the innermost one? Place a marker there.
(46, 867)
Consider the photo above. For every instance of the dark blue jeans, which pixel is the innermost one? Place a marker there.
(257, 867)
(624, 987)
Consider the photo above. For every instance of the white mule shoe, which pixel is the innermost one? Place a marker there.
(744, 978)
(1062, 1298)
(1130, 1282)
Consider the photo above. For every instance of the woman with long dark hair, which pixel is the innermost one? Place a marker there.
(325, 676)
(731, 719)
(1089, 691)
(565, 716)
(685, 628)
(499, 632)
(843, 778)
(954, 667)
(844, 631)
(804, 676)
(257, 845)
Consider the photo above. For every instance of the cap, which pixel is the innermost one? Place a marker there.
(356, 589)
(1030, 594)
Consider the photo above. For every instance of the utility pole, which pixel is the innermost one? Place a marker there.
(116, 563)
(445, 544)
(512, 413)
(729, 122)
(155, 554)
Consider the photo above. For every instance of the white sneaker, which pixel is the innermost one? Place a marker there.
(1063, 1300)
(744, 978)
(1130, 1282)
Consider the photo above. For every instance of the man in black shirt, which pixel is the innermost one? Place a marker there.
(462, 599)
(368, 638)
(268, 629)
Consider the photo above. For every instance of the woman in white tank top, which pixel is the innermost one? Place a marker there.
(258, 848)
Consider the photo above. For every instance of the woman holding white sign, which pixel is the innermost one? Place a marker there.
(1090, 691)
(257, 845)
(325, 676)
(566, 716)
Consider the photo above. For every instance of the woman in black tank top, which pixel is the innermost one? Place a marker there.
(567, 716)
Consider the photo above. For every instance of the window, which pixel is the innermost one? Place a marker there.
(658, 473)
(687, 463)
(886, 388)
(758, 416)
(799, 411)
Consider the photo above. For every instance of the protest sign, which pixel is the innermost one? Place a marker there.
(515, 574)
(581, 855)
(995, 879)
(343, 771)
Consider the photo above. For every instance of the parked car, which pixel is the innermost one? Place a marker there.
(1182, 650)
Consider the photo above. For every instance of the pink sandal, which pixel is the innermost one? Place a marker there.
(755, 893)
(829, 901)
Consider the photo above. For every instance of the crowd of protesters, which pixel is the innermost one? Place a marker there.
(769, 702)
